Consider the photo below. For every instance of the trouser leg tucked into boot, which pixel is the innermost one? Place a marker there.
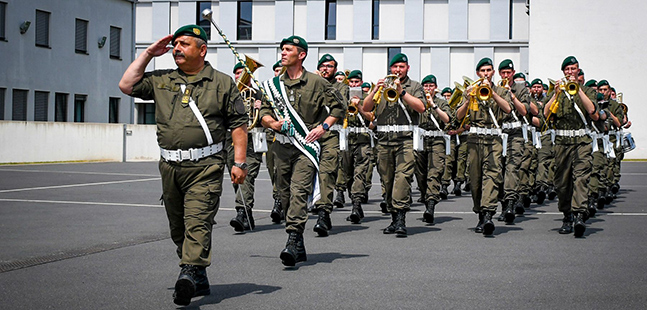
(430, 208)
(400, 225)
(295, 250)
(324, 223)
(567, 224)
(244, 220)
(356, 214)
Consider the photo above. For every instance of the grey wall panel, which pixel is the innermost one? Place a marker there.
(413, 20)
(284, 11)
(499, 20)
(458, 17)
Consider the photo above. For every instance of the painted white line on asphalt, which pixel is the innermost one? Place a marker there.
(81, 172)
(75, 185)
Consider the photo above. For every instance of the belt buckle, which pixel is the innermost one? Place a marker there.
(184, 155)
(194, 154)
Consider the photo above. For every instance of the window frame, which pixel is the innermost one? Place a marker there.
(61, 106)
(375, 20)
(3, 21)
(200, 21)
(240, 23)
(79, 101)
(115, 45)
(41, 106)
(113, 110)
(42, 37)
(80, 36)
(15, 104)
(331, 21)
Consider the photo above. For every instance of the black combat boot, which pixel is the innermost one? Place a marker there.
(601, 198)
(391, 228)
(400, 224)
(356, 214)
(479, 226)
(592, 204)
(609, 197)
(615, 188)
(185, 286)
(526, 203)
(383, 207)
(567, 224)
(541, 195)
(202, 287)
(578, 224)
(277, 212)
(295, 250)
(508, 213)
(430, 207)
(457, 188)
(243, 220)
(519, 205)
(339, 199)
(323, 223)
(443, 192)
(468, 187)
(488, 225)
(552, 193)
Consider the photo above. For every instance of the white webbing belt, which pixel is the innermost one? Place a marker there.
(571, 133)
(357, 130)
(283, 139)
(191, 154)
(199, 116)
(395, 128)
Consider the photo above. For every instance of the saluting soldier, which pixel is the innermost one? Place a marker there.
(195, 105)
(573, 148)
(395, 122)
(484, 144)
(304, 107)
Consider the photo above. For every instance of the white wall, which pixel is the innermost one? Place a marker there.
(606, 38)
(43, 142)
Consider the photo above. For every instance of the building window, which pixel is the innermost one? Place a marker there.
(81, 36)
(42, 28)
(3, 21)
(331, 20)
(146, 113)
(375, 30)
(79, 108)
(2, 92)
(113, 110)
(115, 42)
(60, 107)
(19, 105)
(244, 20)
(204, 23)
(391, 53)
(41, 100)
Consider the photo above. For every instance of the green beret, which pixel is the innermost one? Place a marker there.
(446, 90)
(340, 73)
(527, 84)
(277, 65)
(545, 86)
(484, 62)
(591, 83)
(506, 64)
(326, 58)
(537, 81)
(355, 74)
(612, 89)
(398, 58)
(581, 73)
(296, 41)
(190, 30)
(519, 75)
(570, 60)
(603, 83)
(366, 84)
(429, 79)
(239, 65)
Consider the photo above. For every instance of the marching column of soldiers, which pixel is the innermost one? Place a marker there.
(510, 144)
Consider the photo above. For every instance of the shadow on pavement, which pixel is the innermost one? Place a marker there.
(225, 291)
(318, 258)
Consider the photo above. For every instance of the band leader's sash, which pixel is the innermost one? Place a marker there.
(284, 110)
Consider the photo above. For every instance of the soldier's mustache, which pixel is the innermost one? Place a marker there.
(176, 54)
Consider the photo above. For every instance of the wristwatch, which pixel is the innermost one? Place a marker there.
(241, 165)
(325, 126)
(404, 92)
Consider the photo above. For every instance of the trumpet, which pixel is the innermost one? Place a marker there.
(352, 109)
(564, 84)
(430, 98)
(388, 90)
(480, 91)
(503, 83)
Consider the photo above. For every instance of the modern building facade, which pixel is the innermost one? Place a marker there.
(62, 60)
(441, 37)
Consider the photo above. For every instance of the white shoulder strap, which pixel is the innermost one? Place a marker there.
(199, 116)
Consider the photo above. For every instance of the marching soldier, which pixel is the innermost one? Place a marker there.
(244, 219)
(545, 157)
(329, 163)
(396, 121)
(484, 144)
(571, 119)
(614, 121)
(430, 162)
(277, 210)
(195, 105)
(304, 108)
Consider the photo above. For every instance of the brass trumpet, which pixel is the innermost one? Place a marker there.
(352, 109)
(388, 90)
(564, 84)
(503, 83)
(480, 91)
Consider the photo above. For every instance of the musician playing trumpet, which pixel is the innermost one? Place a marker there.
(430, 162)
(484, 142)
(573, 147)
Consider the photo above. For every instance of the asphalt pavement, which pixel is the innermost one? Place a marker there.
(95, 236)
